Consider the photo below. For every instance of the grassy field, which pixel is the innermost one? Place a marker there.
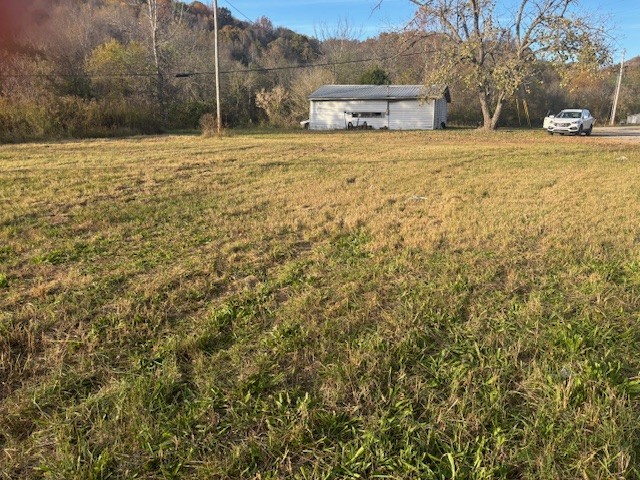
(443, 305)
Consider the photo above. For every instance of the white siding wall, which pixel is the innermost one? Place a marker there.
(330, 115)
(411, 115)
(402, 114)
(441, 112)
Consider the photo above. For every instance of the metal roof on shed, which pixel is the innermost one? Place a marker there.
(379, 92)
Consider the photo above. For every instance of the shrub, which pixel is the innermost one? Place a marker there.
(187, 115)
(208, 125)
(21, 121)
(275, 103)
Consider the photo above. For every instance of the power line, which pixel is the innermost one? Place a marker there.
(296, 67)
(222, 72)
(238, 10)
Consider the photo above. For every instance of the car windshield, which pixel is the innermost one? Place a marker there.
(569, 114)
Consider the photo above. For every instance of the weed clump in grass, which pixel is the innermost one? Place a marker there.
(208, 125)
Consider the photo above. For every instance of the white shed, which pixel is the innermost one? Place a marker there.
(396, 107)
(634, 119)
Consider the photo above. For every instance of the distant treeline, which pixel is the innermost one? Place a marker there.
(109, 67)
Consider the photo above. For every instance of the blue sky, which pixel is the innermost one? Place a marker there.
(309, 16)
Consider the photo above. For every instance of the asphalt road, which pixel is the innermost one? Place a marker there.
(631, 133)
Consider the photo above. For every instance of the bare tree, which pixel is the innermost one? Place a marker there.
(152, 17)
(305, 83)
(340, 44)
(162, 22)
(491, 46)
(275, 104)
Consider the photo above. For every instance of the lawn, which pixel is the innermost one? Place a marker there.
(434, 305)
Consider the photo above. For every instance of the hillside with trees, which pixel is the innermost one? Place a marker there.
(109, 67)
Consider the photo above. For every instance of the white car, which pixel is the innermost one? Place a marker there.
(573, 122)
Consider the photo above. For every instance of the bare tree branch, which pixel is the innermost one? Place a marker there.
(494, 60)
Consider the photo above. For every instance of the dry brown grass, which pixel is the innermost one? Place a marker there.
(307, 304)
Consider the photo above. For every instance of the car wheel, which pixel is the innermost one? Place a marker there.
(580, 131)
(588, 132)
(349, 126)
(549, 132)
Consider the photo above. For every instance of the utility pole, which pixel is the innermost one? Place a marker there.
(217, 66)
(615, 100)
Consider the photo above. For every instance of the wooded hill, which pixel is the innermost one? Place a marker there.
(102, 67)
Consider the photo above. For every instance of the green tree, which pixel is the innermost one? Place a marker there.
(111, 65)
(375, 76)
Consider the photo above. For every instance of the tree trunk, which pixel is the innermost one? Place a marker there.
(490, 121)
(497, 112)
(486, 113)
(153, 21)
(162, 100)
